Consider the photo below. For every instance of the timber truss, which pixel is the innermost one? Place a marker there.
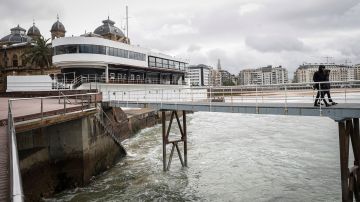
(174, 143)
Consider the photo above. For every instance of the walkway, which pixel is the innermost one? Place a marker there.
(336, 112)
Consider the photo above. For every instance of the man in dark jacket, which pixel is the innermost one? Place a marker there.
(319, 76)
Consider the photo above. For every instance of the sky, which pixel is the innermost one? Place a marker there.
(241, 33)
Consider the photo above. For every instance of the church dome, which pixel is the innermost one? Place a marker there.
(108, 28)
(58, 26)
(17, 36)
(33, 31)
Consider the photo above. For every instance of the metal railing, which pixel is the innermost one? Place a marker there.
(109, 128)
(341, 92)
(94, 78)
(71, 103)
(16, 191)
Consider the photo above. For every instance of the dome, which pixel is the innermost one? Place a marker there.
(58, 26)
(108, 28)
(17, 36)
(33, 31)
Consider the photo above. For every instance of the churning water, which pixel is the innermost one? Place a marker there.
(231, 157)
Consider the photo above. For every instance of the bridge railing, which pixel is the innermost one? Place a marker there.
(41, 107)
(341, 92)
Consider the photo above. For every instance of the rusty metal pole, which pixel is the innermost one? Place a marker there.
(344, 160)
(185, 138)
(163, 120)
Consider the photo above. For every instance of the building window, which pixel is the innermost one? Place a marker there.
(159, 62)
(152, 62)
(132, 77)
(15, 61)
(165, 63)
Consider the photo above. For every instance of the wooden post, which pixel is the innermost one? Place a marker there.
(163, 120)
(344, 160)
(185, 138)
(355, 140)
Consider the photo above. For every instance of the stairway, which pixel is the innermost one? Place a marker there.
(109, 130)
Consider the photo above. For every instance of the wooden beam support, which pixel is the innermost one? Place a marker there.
(344, 160)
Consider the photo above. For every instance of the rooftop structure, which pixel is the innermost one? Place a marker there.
(17, 35)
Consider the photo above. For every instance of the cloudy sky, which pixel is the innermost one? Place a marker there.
(242, 33)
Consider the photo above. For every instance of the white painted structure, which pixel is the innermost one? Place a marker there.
(96, 53)
(29, 83)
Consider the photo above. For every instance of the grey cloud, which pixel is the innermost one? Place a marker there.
(193, 48)
(275, 43)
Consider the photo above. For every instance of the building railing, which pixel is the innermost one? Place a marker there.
(341, 92)
(94, 78)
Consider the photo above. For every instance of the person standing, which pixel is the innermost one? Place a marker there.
(326, 87)
(319, 76)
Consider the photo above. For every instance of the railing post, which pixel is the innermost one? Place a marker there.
(42, 108)
(286, 107)
(345, 94)
(231, 95)
(210, 98)
(64, 105)
(256, 97)
(320, 98)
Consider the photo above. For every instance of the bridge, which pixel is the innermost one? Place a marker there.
(285, 99)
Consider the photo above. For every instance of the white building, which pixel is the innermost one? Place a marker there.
(199, 75)
(107, 54)
(263, 76)
(305, 73)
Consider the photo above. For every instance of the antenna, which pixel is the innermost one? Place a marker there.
(327, 59)
(127, 22)
(347, 61)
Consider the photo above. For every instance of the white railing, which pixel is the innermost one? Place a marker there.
(94, 78)
(16, 191)
(341, 92)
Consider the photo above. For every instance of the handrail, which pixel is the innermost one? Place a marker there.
(286, 94)
(16, 191)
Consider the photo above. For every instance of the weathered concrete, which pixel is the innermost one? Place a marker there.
(64, 155)
(69, 153)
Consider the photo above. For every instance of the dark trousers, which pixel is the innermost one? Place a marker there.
(320, 94)
(327, 92)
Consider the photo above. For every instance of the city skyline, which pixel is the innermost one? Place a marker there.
(241, 33)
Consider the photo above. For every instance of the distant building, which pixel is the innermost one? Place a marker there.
(263, 76)
(12, 49)
(357, 71)
(338, 72)
(199, 75)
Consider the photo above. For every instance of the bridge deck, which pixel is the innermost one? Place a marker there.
(336, 112)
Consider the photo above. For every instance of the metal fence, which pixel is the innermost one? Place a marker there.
(341, 92)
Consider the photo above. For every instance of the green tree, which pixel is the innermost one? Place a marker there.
(228, 83)
(39, 54)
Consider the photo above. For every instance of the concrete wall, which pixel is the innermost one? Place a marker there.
(65, 155)
(69, 154)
